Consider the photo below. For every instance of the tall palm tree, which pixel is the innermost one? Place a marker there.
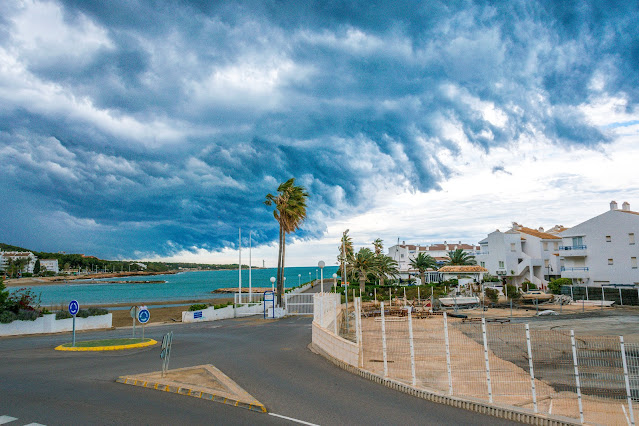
(290, 212)
(423, 262)
(460, 257)
(362, 264)
(378, 244)
(345, 247)
(386, 267)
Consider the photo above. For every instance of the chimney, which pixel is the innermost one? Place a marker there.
(460, 243)
(613, 205)
(403, 243)
(541, 229)
(625, 206)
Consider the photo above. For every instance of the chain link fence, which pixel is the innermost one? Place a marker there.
(586, 378)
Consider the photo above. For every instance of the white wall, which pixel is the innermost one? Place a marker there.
(48, 324)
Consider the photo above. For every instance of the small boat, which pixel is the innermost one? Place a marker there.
(459, 301)
(536, 295)
(605, 303)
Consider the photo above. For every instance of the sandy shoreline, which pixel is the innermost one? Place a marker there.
(41, 281)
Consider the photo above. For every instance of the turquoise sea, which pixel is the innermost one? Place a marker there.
(194, 285)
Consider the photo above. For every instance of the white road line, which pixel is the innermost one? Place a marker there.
(35, 424)
(292, 419)
(6, 419)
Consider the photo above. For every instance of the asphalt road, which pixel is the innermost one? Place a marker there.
(269, 359)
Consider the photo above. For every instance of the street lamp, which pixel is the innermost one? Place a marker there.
(299, 279)
(335, 281)
(273, 284)
(321, 265)
(310, 280)
(344, 256)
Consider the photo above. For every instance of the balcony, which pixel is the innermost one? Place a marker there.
(482, 253)
(577, 272)
(572, 251)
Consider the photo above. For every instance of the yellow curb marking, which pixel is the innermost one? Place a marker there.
(106, 348)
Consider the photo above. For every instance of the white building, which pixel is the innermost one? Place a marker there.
(522, 254)
(602, 250)
(6, 256)
(50, 265)
(404, 253)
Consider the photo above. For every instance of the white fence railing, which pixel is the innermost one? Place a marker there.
(299, 304)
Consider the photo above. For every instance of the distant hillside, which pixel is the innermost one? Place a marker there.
(75, 261)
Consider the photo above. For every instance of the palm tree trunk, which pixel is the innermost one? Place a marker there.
(422, 276)
(280, 289)
(362, 284)
(279, 266)
(381, 280)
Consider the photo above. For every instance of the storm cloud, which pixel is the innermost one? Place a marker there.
(139, 128)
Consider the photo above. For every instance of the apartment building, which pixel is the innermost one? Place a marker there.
(602, 250)
(30, 258)
(404, 253)
(50, 265)
(522, 254)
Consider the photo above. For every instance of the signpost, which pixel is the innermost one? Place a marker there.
(165, 355)
(143, 316)
(74, 308)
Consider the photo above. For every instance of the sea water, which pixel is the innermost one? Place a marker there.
(192, 285)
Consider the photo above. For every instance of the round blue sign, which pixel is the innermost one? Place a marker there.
(144, 316)
(74, 307)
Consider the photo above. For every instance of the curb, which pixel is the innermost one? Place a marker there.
(502, 412)
(190, 392)
(106, 348)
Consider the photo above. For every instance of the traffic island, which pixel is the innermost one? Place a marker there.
(201, 381)
(107, 345)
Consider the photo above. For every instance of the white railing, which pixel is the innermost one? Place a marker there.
(299, 304)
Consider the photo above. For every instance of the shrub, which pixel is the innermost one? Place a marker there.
(492, 295)
(93, 311)
(62, 315)
(527, 285)
(83, 313)
(7, 316)
(222, 305)
(555, 285)
(491, 278)
(28, 315)
(198, 307)
(512, 291)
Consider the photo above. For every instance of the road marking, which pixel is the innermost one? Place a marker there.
(6, 419)
(292, 419)
(34, 424)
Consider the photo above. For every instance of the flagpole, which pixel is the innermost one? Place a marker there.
(239, 267)
(250, 262)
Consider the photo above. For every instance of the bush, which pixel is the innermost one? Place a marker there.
(512, 291)
(492, 294)
(491, 278)
(83, 313)
(222, 305)
(7, 316)
(555, 285)
(198, 307)
(62, 315)
(97, 311)
(28, 315)
(527, 285)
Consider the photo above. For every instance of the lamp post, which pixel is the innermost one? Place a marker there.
(344, 256)
(273, 284)
(321, 265)
(335, 281)
(299, 279)
(549, 268)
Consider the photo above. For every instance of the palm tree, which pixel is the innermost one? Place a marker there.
(386, 267)
(378, 246)
(423, 262)
(290, 212)
(346, 247)
(460, 257)
(362, 264)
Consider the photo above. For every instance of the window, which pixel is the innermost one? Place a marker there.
(608, 238)
(610, 262)
(546, 263)
(483, 264)
(545, 246)
(631, 237)
(556, 246)
(633, 262)
(402, 255)
(577, 241)
(512, 246)
(501, 264)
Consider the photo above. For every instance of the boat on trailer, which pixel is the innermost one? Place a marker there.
(459, 301)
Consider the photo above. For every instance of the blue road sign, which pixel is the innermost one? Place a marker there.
(74, 307)
(144, 316)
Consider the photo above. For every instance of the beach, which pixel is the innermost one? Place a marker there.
(57, 280)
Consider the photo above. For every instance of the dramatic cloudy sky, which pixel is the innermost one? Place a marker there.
(154, 129)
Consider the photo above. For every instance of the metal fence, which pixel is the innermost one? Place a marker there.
(623, 296)
(587, 378)
(299, 304)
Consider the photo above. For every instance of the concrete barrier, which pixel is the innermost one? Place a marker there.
(48, 324)
(212, 314)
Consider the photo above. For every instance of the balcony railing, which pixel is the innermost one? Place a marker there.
(572, 248)
(584, 268)
(482, 253)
